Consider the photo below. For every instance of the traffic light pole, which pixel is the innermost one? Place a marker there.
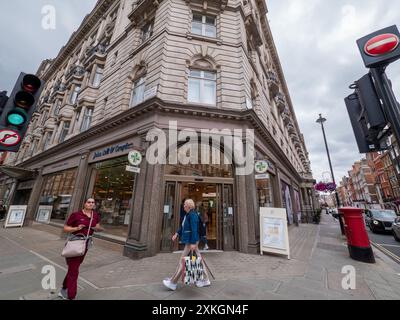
(321, 121)
(390, 104)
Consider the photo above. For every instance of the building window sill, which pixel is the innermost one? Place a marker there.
(191, 36)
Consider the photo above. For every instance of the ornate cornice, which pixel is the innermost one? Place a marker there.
(156, 105)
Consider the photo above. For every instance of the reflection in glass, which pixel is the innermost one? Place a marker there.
(57, 192)
(113, 190)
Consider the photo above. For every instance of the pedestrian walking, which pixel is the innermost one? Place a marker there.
(79, 224)
(188, 233)
(203, 219)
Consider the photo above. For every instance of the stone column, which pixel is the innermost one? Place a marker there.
(145, 227)
(34, 199)
(278, 188)
(81, 183)
(253, 215)
(241, 215)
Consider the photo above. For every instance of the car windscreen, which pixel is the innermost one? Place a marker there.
(384, 214)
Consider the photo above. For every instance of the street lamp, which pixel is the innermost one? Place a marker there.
(321, 121)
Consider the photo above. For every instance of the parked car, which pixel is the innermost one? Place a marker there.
(380, 220)
(396, 229)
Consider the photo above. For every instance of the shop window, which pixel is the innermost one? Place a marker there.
(264, 193)
(202, 87)
(215, 168)
(57, 192)
(113, 192)
(204, 25)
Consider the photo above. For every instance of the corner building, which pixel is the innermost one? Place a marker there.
(133, 66)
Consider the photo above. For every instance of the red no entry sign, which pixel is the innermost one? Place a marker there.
(9, 138)
(381, 44)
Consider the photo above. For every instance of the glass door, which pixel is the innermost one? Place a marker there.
(169, 210)
(228, 214)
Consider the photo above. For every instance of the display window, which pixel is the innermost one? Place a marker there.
(265, 193)
(113, 193)
(57, 192)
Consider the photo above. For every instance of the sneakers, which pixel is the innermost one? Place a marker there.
(203, 283)
(63, 294)
(206, 247)
(169, 284)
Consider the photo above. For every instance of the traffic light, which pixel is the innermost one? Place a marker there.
(3, 101)
(18, 110)
(367, 117)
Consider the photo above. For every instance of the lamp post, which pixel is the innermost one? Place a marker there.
(321, 121)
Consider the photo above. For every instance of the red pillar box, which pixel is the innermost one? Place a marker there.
(357, 237)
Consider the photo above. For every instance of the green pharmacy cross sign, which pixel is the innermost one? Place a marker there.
(261, 166)
(135, 158)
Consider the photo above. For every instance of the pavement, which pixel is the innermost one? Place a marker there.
(318, 256)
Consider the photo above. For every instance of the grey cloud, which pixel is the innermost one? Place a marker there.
(25, 43)
(317, 47)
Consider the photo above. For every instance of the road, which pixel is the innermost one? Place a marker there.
(386, 242)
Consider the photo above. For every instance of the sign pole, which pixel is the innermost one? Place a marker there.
(390, 104)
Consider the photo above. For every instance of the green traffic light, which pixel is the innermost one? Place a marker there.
(16, 118)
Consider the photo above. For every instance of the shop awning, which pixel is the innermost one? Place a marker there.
(17, 173)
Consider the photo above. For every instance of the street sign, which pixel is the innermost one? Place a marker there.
(9, 138)
(133, 169)
(380, 48)
(381, 44)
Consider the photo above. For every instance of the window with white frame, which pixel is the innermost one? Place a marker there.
(137, 92)
(98, 75)
(202, 87)
(204, 25)
(87, 119)
(57, 107)
(74, 95)
(64, 131)
(48, 140)
(33, 146)
(147, 31)
(44, 117)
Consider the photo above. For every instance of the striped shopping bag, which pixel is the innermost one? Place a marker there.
(192, 267)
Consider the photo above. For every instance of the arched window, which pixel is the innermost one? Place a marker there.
(202, 87)
(202, 84)
(138, 76)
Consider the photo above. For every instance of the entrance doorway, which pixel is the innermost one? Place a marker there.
(22, 197)
(206, 201)
(214, 202)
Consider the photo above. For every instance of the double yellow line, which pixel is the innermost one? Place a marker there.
(386, 251)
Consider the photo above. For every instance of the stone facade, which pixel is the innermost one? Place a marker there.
(127, 69)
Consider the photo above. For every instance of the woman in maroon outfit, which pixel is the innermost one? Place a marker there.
(78, 224)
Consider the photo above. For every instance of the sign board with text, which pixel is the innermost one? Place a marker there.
(15, 216)
(274, 231)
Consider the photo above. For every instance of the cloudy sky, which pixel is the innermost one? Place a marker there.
(316, 41)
